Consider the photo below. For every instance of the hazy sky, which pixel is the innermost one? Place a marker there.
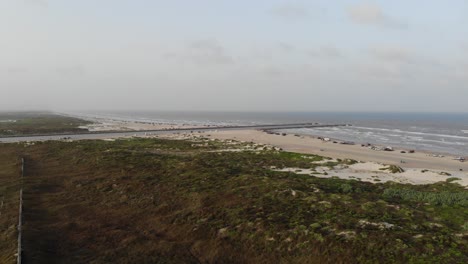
(396, 55)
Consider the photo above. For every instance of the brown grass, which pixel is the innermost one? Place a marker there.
(9, 196)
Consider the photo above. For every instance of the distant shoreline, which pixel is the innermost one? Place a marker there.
(435, 133)
(119, 128)
(414, 164)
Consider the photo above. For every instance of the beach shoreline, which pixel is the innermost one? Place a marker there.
(416, 163)
(313, 145)
(423, 169)
(376, 145)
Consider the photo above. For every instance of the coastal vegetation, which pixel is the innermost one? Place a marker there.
(394, 169)
(209, 201)
(31, 123)
(9, 202)
(436, 198)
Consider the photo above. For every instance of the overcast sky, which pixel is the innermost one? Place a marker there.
(242, 55)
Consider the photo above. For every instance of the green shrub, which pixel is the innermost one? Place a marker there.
(441, 198)
(451, 179)
(346, 188)
(394, 169)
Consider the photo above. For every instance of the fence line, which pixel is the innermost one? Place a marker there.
(20, 218)
(1, 205)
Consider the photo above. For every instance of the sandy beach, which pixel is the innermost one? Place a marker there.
(119, 125)
(420, 167)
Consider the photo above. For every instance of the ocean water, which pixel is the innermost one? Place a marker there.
(437, 132)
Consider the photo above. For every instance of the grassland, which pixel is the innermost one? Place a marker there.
(31, 123)
(174, 201)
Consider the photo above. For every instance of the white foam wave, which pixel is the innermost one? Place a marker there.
(415, 133)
